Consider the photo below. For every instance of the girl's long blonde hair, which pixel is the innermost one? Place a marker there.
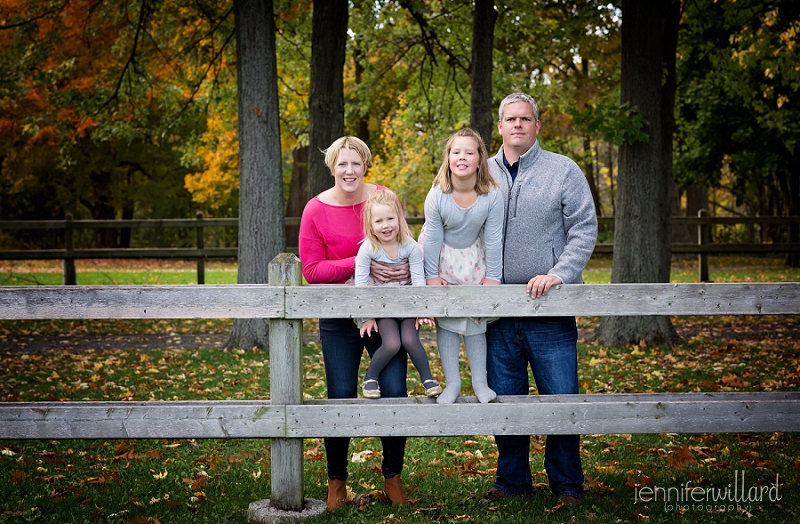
(484, 181)
(387, 198)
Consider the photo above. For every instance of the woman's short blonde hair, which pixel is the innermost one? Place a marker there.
(347, 142)
(385, 197)
(484, 181)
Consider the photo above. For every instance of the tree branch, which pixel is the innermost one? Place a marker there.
(35, 18)
(429, 38)
(131, 61)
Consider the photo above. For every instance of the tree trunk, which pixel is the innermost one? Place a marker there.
(588, 169)
(793, 209)
(362, 120)
(611, 179)
(481, 118)
(696, 199)
(261, 219)
(102, 208)
(125, 232)
(680, 234)
(298, 190)
(128, 208)
(326, 94)
(642, 223)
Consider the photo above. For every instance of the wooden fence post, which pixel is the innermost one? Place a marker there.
(70, 277)
(201, 261)
(286, 387)
(703, 238)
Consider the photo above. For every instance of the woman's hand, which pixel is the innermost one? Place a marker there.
(420, 321)
(368, 327)
(489, 282)
(382, 273)
(436, 281)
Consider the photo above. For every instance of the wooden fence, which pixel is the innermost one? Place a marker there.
(200, 253)
(287, 418)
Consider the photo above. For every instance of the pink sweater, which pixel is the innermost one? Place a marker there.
(329, 240)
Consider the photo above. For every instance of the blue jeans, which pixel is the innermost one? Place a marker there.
(342, 349)
(549, 346)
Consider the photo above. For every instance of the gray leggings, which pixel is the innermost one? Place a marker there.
(396, 333)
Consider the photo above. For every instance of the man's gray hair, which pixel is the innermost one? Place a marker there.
(519, 97)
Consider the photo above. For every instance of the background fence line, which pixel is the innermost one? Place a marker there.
(200, 253)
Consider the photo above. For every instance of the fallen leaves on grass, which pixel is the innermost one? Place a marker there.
(185, 373)
(679, 458)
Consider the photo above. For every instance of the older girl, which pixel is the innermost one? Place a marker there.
(463, 238)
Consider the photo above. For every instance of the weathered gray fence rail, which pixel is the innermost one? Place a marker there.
(200, 253)
(287, 419)
(419, 417)
(336, 301)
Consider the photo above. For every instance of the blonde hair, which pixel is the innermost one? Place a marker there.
(483, 182)
(347, 142)
(384, 197)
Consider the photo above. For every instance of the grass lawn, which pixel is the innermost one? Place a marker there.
(177, 481)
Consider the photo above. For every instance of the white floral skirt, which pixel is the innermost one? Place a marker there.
(458, 267)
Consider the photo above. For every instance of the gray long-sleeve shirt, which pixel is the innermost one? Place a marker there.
(447, 222)
(411, 251)
(550, 220)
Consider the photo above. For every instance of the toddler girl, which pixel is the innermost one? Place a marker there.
(463, 245)
(387, 240)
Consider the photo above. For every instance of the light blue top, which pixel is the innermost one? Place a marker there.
(366, 254)
(410, 251)
(459, 227)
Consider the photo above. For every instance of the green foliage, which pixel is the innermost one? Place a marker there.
(618, 124)
(737, 122)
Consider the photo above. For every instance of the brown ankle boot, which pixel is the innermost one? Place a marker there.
(393, 487)
(337, 494)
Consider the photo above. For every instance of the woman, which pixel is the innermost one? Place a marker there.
(331, 230)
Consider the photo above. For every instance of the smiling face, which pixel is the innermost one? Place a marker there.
(385, 223)
(464, 158)
(349, 171)
(519, 128)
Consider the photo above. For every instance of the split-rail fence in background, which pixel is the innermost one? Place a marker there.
(200, 253)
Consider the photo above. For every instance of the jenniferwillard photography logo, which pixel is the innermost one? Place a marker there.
(736, 496)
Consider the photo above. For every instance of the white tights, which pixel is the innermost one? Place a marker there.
(449, 348)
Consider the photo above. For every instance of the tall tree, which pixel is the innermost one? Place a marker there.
(262, 233)
(481, 108)
(642, 250)
(326, 96)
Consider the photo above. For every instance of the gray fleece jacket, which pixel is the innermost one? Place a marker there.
(550, 221)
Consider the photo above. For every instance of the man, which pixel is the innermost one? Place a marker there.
(549, 234)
